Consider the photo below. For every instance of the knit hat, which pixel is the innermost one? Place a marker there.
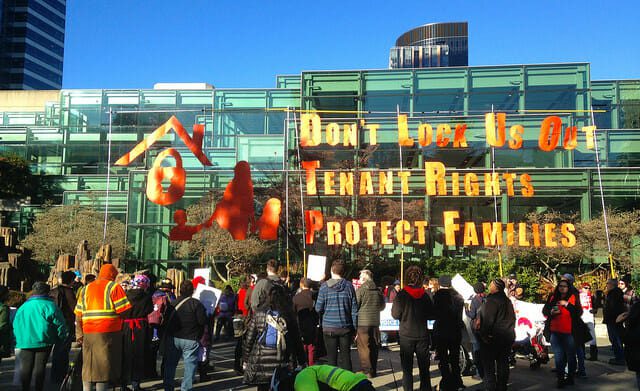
(140, 282)
(444, 281)
(108, 272)
(569, 277)
(40, 288)
(478, 287)
(198, 280)
(499, 283)
(626, 279)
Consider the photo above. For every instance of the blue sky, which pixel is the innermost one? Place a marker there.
(134, 44)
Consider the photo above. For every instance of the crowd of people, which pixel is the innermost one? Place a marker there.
(124, 327)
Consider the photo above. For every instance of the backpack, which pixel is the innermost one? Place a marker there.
(158, 315)
(273, 334)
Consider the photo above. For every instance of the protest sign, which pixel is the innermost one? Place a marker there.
(204, 272)
(208, 296)
(316, 267)
(387, 323)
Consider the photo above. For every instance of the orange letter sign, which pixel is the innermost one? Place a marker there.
(176, 175)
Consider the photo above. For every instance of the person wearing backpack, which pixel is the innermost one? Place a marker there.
(370, 303)
(263, 286)
(473, 313)
(227, 307)
(64, 297)
(157, 321)
(185, 327)
(271, 340)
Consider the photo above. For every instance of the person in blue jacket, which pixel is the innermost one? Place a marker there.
(38, 325)
(337, 306)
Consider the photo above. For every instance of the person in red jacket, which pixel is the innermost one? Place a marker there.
(563, 308)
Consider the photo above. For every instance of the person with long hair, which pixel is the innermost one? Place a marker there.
(261, 357)
(413, 307)
(563, 310)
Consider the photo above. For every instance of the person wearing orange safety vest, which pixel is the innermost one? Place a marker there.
(99, 329)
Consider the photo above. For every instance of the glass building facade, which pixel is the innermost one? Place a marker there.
(32, 44)
(431, 45)
(70, 141)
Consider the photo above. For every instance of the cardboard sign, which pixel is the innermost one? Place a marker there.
(208, 296)
(316, 265)
(387, 323)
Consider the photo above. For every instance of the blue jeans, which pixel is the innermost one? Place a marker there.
(615, 338)
(581, 356)
(564, 352)
(188, 350)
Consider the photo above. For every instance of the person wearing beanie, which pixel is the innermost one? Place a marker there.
(412, 307)
(448, 305)
(497, 333)
(473, 313)
(65, 298)
(38, 325)
(99, 311)
(136, 332)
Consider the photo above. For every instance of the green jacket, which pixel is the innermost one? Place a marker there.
(39, 323)
(370, 303)
(336, 378)
(5, 331)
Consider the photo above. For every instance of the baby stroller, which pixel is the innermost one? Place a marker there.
(533, 348)
(73, 379)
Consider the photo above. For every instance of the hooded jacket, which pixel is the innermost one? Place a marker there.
(39, 323)
(370, 303)
(337, 305)
(412, 307)
(448, 306)
(497, 320)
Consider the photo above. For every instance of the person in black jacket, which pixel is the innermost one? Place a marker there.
(413, 307)
(187, 320)
(632, 341)
(447, 332)
(497, 333)
(137, 334)
(65, 298)
(614, 307)
(262, 360)
(303, 305)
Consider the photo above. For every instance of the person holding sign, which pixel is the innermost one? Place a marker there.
(412, 307)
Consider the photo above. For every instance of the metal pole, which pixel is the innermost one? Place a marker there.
(106, 207)
(401, 210)
(604, 209)
(495, 203)
(304, 226)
